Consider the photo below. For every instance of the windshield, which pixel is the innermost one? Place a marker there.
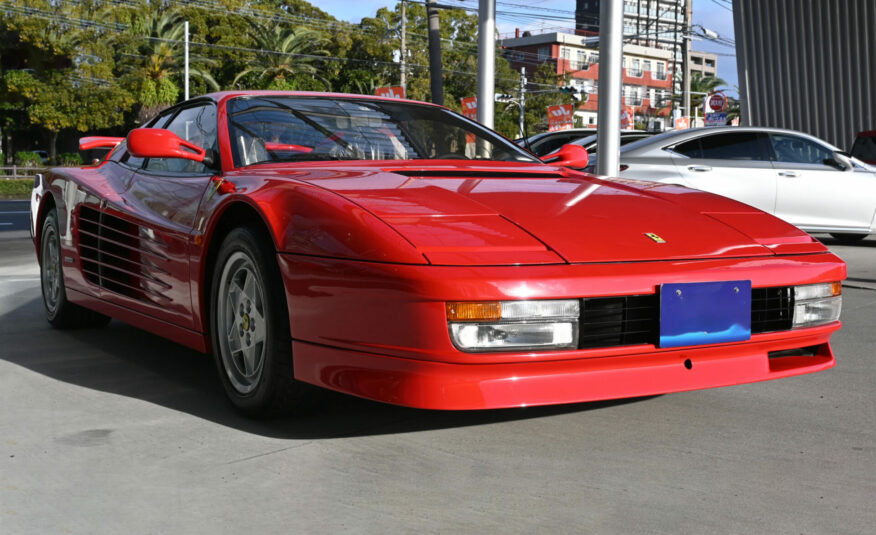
(291, 129)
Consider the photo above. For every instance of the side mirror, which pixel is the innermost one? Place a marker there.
(843, 161)
(160, 143)
(568, 155)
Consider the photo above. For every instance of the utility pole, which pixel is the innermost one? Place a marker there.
(685, 51)
(186, 61)
(611, 17)
(404, 50)
(435, 71)
(486, 61)
(522, 100)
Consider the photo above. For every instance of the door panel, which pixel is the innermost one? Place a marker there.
(145, 245)
(816, 196)
(734, 165)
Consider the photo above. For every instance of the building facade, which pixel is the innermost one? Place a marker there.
(648, 23)
(647, 76)
(808, 66)
(704, 63)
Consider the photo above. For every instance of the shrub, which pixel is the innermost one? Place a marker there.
(28, 159)
(70, 159)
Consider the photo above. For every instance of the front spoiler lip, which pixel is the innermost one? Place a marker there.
(453, 386)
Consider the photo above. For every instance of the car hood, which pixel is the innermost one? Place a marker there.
(478, 215)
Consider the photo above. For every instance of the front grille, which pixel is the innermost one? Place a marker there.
(772, 309)
(619, 321)
(635, 319)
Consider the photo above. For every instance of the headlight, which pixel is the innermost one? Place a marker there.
(816, 304)
(514, 325)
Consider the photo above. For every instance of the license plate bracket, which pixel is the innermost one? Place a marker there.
(699, 313)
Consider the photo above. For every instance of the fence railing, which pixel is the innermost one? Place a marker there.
(17, 171)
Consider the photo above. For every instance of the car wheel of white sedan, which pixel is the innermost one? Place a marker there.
(250, 326)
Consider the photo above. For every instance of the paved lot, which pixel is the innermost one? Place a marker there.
(118, 431)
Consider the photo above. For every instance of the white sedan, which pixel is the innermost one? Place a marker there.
(795, 176)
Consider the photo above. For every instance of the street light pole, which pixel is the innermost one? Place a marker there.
(610, 62)
(685, 50)
(186, 60)
(486, 61)
(522, 100)
(404, 50)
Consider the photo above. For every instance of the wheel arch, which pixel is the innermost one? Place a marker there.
(233, 214)
(47, 203)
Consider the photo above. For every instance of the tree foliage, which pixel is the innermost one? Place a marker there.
(108, 65)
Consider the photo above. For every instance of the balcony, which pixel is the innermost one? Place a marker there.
(660, 76)
(636, 73)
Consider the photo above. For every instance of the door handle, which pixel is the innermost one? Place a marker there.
(791, 174)
(699, 168)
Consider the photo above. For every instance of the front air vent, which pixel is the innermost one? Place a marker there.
(116, 255)
(473, 173)
(772, 309)
(619, 321)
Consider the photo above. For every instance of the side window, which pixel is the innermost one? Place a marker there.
(794, 149)
(732, 146)
(197, 125)
(691, 149)
(865, 148)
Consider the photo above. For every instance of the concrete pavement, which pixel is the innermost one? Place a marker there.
(119, 431)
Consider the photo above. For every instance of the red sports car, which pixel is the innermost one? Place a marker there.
(397, 251)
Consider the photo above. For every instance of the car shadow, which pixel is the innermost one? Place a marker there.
(830, 240)
(126, 361)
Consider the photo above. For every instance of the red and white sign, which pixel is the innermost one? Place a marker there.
(682, 123)
(626, 121)
(559, 117)
(716, 102)
(469, 107)
(390, 92)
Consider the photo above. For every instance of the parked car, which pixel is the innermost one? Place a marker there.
(397, 251)
(794, 176)
(864, 147)
(626, 137)
(546, 142)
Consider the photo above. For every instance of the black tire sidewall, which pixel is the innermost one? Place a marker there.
(51, 224)
(277, 340)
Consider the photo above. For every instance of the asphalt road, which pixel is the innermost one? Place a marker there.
(14, 215)
(118, 431)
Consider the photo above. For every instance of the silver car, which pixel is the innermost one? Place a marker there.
(797, 177)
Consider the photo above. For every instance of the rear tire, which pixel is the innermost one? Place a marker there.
(249, 326)
(60, 312)
(848, 238)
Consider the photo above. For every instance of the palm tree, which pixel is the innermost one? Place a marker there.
(285, 55)
(156, 69)
(703, 84)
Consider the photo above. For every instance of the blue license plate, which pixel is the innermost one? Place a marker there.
(701, 313)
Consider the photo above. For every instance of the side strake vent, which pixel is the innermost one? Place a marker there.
(635, 319)
(452, 173)
(116, 256)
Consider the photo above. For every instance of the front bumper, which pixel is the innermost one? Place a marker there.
(379, 331)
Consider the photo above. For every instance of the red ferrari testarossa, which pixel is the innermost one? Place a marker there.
(397, 251)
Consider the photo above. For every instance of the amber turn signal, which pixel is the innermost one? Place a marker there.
(474, 311)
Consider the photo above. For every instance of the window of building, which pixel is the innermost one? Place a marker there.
(581, 57)
(544, 53)
(661, 70)
(594, 58)
(636, 68)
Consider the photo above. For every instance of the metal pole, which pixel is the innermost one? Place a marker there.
(404, 49)
(186, 60)
(685, 50)
(522, 99)
(611, 18)
(436, 74)
(486, 61)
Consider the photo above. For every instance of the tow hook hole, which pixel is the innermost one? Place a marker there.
(688, 364)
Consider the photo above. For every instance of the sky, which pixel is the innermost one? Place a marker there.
(711, 14)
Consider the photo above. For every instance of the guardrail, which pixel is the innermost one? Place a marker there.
(17, 171)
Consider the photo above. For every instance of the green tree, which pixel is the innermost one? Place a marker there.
(288, 58)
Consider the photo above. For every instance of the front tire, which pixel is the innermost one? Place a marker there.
(249, 326)
(60, 313)
(848, 238)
